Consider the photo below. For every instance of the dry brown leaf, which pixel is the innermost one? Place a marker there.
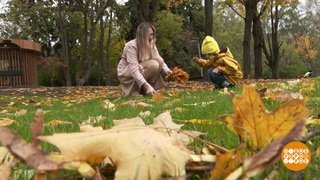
(179, 75)
(21, 112)
(158, 96)
(89, 128)
(33, 156)
(5, 166)
(269, 155)
(137, 121)
(250, 118)
(227, 162)
(139, 152)
(143, 105)
(37, 128)
(7, 122)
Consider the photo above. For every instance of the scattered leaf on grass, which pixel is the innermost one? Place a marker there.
(25, 152)
(144, 114)
(109, 105)
(143, 105)
(139, 152)
(21, 112)
(5, 166)
(250, 118)
(37, 128)
(7, 122)
(89, 128)
(158, 97)
(227, 162)
(56, 122)
(269, 155)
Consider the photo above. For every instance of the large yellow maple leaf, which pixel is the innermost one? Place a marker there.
(253, 122)
(139, 152)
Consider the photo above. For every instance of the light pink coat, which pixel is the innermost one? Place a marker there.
(130, 72)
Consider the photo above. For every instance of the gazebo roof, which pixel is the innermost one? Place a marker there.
(25, 44)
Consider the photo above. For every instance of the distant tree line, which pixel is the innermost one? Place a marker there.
(270, 39)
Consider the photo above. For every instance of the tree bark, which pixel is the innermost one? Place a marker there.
(250, 6)
(83, 74)
(65, 47)
(144, 12)
(257, 36)
(107, 69)
(208, 28)
(273, 57)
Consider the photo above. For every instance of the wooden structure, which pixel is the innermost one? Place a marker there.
(18, 64)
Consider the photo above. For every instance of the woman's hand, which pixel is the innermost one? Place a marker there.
(150, 89)
(168, 72)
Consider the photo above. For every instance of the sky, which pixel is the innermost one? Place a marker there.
(2, 4)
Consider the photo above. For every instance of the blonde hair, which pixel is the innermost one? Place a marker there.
(145, 48)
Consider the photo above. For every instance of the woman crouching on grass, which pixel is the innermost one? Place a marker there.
(140, 67)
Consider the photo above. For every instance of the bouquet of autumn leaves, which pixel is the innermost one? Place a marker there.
(179, 75)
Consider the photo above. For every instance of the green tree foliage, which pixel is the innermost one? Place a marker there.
(228, 31)
(179, 30)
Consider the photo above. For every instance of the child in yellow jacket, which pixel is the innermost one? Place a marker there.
(224, 70)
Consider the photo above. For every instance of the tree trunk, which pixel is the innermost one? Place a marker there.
(209, 17)
(107, 69)
(273, 57)
(80, 81)
(250, 10)
(65, 47)
(144, 12)
(275, 45)
(101, 54)
(257, 36)
(83, 74)
(208, 28)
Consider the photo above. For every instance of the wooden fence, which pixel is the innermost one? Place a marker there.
(18, 64)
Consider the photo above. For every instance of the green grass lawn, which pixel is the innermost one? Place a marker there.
(76, 107)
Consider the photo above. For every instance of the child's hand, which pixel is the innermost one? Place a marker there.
(215, 71)
(195, 59)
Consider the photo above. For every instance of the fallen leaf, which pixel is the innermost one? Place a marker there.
(25, 152)
(139, 152)
(158, 96)
(227, 162)
(143, 105)
(197, 121)
(56, 122)
(37, 104)
(250, 118)
(5, 166)
(37, 128)
(7, 122)
(21, 112)
(224, 92)
(94, 120)
(3, 111)
(89, 128)
(144, 114)
(179, 75)
(203, 158)
(269, 155)
(202, 104)
(109, 105)
(137, 121)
